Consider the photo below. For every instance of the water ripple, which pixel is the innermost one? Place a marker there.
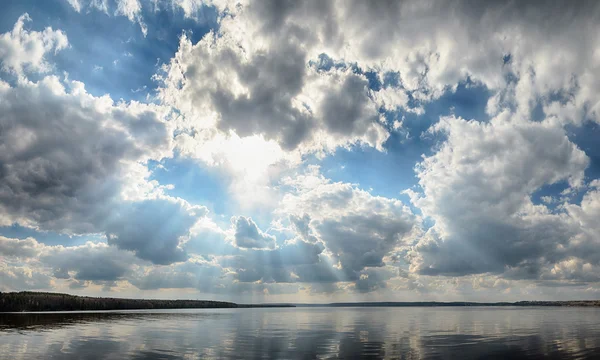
(305, 333)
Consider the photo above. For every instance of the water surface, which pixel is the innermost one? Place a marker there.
(306, 333)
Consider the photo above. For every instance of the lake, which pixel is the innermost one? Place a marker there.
(306, 333)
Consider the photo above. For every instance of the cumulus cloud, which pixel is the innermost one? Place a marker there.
(373, 279)
(268, 86)
(71, 164)
(519, 50)
(249, 236)
(89, 262)
(207, 238)
(294, 73)
(257, 62)
(478, 188)
(153, 228)
(23, 278)
(584, 246)
(34, 265)
(273, 265)
(278, 82)
(25, 50)
(64, 154)
(25, 248)
(357, 228)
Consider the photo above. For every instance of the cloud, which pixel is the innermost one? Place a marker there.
(73, 163)
(34, 265)
(478, 189)
(357, 228)
(584, 245)
(257, 62)
(25, 50)
(373, 279)
(523, 52)
(295, 74)
(132, 9)
(207, 238)
(153, 228)
(89, 262)
(65, 154)
(275, 86)
(249, 236)
(25, 248)
(192, 274)
(100, 5)
(273, 265)
(75, 4)
(23, 278)
(320, 273)
(268, 87)
(161, 279)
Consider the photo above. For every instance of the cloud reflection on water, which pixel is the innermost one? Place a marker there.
(326, 333)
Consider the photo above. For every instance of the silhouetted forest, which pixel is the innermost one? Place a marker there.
(42, 301)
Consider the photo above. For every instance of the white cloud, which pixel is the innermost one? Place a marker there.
(100, 5)
(248, 236)
(65, 153)
(38, 266)
(357, 228)
(521, 51)
(25, 248)
(267, 87)
(75, 4)
(88, 262)
(73, 163)
(25, 50)
(21, 278)
(391, 98)
(132, 9)
(276, 83)
(477, 188)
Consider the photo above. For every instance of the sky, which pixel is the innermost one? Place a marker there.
(301, 151)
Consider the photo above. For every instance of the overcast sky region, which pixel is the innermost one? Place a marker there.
(301, 151)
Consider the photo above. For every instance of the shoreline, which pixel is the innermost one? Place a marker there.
(43, 302)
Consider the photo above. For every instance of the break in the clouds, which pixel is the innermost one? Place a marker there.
(301, 151)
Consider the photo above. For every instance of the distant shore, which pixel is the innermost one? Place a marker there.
(29, 301)
(574, 303)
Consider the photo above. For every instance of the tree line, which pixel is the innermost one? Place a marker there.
(44, 301)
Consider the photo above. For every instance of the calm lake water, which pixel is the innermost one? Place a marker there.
(305, 333)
